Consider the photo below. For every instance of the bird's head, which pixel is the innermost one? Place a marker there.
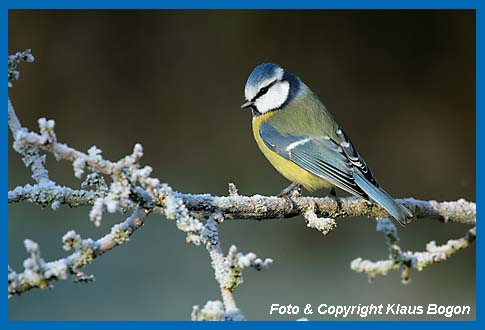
(270, 87)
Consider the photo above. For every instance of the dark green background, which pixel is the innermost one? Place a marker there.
(401, 83)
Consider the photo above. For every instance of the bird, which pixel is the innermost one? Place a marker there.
(301, 139)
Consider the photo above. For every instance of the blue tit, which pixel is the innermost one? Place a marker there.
(303, 142)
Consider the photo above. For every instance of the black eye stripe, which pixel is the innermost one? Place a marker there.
(264, 90)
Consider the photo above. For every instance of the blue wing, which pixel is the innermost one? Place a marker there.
(335, 160)
(319, 155)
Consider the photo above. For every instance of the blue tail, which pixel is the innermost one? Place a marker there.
(378, 195)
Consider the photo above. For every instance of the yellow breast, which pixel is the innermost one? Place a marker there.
(287, 168)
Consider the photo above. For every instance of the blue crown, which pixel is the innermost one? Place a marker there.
(262, 72)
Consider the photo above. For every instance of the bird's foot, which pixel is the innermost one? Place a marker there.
(293, 190)
(332, 194)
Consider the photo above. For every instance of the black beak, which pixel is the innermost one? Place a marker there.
(246, 104)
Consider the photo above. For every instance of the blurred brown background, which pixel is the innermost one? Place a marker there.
(401, 83)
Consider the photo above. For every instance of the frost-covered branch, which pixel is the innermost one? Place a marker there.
(227, 270)
(80, 160)
(270, 207)
(259, 207)
(39, 274)
(407, 260)
(324, 225)
(13, 63)
(31, 156)
(50, 193)
(227, 276)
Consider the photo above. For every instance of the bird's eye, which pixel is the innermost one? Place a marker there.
(263, 90)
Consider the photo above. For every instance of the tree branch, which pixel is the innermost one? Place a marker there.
(269, 207)
(54, 195)
(406, 260)
(40, 274)
(31, 156)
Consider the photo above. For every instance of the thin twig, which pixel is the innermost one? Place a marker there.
(40, 274)
(410, 259)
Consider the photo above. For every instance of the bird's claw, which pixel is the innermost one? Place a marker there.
(293, 190)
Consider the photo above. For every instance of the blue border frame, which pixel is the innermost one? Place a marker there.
(478, 5)
(239, 4)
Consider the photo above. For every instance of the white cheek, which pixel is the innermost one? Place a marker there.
(274, 98)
